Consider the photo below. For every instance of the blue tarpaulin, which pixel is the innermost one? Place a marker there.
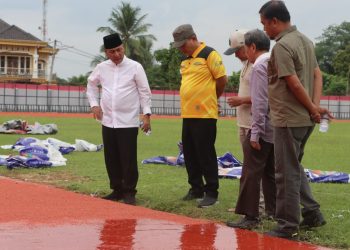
(230, 167)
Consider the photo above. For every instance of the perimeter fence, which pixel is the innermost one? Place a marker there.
(19, 97)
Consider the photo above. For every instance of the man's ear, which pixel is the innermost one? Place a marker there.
(253, 46)
(274, 21)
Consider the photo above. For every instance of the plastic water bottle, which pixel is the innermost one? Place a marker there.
(324, 123)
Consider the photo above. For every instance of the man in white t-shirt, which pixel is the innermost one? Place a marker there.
(242, 100)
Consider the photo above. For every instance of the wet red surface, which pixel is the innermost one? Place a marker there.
(34, 216)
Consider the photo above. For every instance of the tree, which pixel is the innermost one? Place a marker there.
(342, 65)
(169, 60)
(78, 80)
(334, 84)
(233, 82)
(129, 23)
(333, 40)
(97, 59)
(333, 55)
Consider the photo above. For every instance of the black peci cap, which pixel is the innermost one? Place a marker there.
(112, 41)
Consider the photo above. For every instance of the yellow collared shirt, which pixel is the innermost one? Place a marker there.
(198, 84)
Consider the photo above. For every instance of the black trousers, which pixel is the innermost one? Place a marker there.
(120, 151)
(258, 165)
(198, 138)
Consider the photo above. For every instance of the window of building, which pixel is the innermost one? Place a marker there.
(2, 65)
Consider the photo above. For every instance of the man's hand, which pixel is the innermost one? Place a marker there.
(317, 114)
(219, 109)
(235, 101)
(323, 111)
(255, 145)
(97, 112)
(146, 126)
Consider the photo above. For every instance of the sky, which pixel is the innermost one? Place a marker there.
(73, 23)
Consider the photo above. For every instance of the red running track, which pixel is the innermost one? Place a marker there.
(34, 216)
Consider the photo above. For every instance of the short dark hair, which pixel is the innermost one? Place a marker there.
(259, 38)
(275, 9)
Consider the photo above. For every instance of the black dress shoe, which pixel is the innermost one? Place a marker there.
(246, 222)
(192, 195)
(129, 199)
(290, 235)
(114, 196)
(207, 201)
(313, 219)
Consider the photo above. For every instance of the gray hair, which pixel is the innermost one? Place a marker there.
(259, 38)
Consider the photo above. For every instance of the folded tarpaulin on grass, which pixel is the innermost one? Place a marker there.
(25, 162)
(316, 176)
(22, 127)
(226, 161)
(230, 167)
(35, 153)
(231, 173)
(168, 160)
(320, 176)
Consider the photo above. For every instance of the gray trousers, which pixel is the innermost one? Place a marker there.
(292, 185)
(242, 133)
(258, 168)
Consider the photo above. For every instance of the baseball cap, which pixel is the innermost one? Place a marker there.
(181, 34)
(236, 41)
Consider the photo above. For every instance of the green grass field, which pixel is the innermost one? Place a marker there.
(161, 187)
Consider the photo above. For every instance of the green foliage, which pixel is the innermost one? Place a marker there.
(342, 62)
(334, 85)
(333, 41)
(337, 88)
(167, 74)
(129, 23)
(78, 80)
(333, 55)
(233, 82)
(61, 81)
(161, 187)
(156, 78)
(99, 58)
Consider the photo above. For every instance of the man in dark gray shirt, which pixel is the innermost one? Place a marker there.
(295, 85)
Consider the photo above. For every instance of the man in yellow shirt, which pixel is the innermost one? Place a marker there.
(203, 81)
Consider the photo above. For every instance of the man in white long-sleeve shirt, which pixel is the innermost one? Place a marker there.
(124, 88)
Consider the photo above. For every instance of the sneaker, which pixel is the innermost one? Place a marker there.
(207, 201)
(245, 223)
(290, 235)
(313, 219)
(129, 199)
(192, 196)
(114, 196)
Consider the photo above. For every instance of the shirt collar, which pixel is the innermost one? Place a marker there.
(196, 52)
(125, 59)
(286, 31)
(261, 58)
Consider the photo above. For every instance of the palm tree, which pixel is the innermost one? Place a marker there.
(129, 23)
